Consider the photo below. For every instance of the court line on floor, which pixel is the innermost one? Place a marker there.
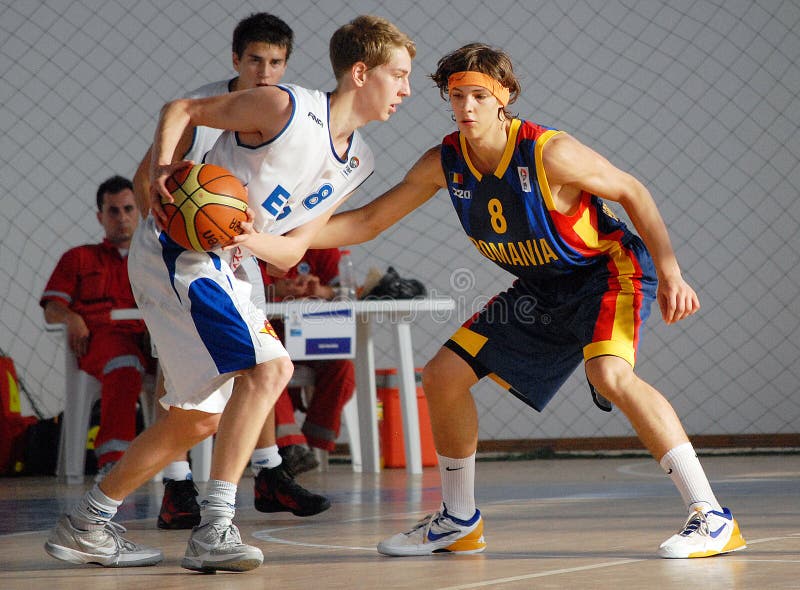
(520, 578)
(496, 581)
(645, 469)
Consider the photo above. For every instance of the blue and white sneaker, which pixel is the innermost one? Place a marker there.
(439, 532)
(704, 534)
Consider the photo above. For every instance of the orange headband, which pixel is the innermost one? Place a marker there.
(472, 78)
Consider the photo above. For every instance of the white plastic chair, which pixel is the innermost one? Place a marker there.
(303, 378)
(81, 391)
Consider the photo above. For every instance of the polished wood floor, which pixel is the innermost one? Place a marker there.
(560, 523)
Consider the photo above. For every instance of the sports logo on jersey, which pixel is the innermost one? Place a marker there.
(351, 165)
(524, 178)
(607, 210)
(314, 118)
(458, 178)
(268, 329)
(304, 268)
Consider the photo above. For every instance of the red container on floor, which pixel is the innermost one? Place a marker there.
(390, 420)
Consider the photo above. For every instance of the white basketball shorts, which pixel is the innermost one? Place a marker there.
(201, 318)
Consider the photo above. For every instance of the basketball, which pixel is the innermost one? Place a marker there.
(209, 207)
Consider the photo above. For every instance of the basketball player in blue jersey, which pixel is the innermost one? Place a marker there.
(301, 155)
(531, 199)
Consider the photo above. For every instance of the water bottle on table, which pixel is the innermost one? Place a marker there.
(348, 283)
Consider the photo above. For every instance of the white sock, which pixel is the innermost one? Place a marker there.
(177, 470)
(94, 510)
(265, 458)
(458, 485)
(219, 501)
(683, 467)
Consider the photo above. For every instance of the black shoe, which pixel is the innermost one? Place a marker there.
(298, 459)
(277, 491)
(179, 507)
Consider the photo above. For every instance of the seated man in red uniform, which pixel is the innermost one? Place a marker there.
(315, 276)
(87, 283)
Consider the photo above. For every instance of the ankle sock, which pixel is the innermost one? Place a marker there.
(219, 501)
(265, 458)
(94, 510)
(177, 470)
(458, 485)
(683, 467)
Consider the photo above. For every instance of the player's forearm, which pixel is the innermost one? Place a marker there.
(141, 184)
(346, 229)
(650, 226)
(172, 123)
(282, 252)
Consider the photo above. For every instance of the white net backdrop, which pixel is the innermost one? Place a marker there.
(699, 99)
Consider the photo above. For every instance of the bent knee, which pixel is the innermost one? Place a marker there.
(207, 425)
(447, 375)
(196, 424)
(612, 377)
(284, 367)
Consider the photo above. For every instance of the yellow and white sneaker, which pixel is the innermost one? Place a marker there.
(704, 534)
(439, 532)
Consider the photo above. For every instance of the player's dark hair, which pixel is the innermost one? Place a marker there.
(369, 39)
(262, 27)
(478, 57)
(112, 186)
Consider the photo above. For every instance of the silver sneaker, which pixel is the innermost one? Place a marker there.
(217, 545)
(104, 546)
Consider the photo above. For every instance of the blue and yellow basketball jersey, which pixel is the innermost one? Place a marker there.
(585, 282)
(510, 216)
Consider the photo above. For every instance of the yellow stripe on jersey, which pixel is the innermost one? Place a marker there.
(470, 341)
(465, 152)
(508, 153)
(511, 145)
(544, 186)
(588, 233)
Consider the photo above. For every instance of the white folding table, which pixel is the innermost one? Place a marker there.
(400, 313)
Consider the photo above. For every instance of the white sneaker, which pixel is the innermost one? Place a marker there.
(704, 535)
(104, 546)
(217, 546)
(438, 533)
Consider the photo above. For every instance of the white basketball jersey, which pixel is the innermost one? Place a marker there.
(205, 137)
(296, 176)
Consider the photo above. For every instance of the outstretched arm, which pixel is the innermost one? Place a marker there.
(571, 167)
(421, 182)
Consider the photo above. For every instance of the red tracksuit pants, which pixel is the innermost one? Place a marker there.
(115, 359)
(334, 382)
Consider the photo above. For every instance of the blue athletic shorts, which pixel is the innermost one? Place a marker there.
(530, 338)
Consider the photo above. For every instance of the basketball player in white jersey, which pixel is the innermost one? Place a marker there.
(260, 50)
(301, 155)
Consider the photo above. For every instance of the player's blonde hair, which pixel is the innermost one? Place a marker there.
(369, 39)
(478, 57)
